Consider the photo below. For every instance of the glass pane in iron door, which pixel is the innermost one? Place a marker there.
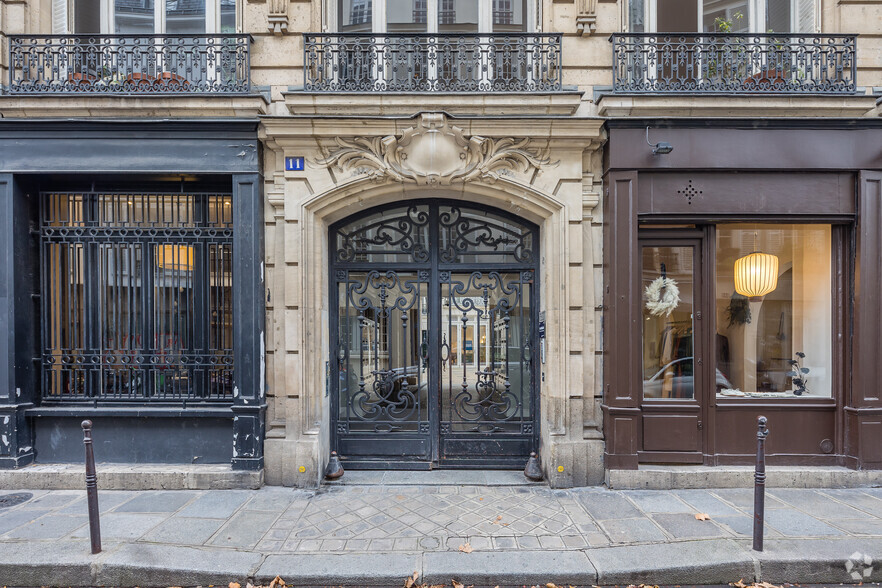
(486, 371)
(383, 365)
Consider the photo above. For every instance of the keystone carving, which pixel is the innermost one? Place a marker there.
(277, 17)
(586, 16)
(434, 152)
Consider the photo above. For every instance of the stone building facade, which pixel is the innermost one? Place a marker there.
(516, 116)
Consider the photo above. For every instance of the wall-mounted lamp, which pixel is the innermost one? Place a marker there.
(660, 148)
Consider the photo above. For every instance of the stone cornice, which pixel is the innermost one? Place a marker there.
(566, 132)
(651, 106)
(408, 104)
(85, 106)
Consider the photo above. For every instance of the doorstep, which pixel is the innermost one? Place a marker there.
(433, 478)
(684, 477)
(131, 477)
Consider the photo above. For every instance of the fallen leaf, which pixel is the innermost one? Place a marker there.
(455, 583)
(465, 549)
(551, 585)
(411, 580)
(702, 516)
(399, 497)
(235, 585)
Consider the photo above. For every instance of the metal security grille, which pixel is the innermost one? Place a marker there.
(434, 337)
(136, 297)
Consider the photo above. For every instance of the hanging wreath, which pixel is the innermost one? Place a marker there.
(662, 297)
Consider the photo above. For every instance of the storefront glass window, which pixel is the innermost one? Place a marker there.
(668, 302)
(774, 310)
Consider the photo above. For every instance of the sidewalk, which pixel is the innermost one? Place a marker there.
(377, 535)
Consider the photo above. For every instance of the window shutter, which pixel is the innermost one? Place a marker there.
(806, 21)
(59, 17)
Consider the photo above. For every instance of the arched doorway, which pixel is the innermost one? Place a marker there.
(433, 336)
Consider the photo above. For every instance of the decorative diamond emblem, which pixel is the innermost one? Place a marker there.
(690, 192)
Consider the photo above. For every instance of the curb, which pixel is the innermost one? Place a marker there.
(717, 561)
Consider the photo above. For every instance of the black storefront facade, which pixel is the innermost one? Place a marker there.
(742, 277)
(132, 291)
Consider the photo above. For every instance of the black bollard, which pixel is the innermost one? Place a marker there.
(759, 487)
(92, 489)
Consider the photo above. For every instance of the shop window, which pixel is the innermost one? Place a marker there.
(774, 305)
(136, 297)
(723, 16)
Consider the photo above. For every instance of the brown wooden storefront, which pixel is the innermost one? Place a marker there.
(685, 384)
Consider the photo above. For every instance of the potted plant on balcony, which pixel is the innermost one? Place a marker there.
(727, 61)
(776, 69)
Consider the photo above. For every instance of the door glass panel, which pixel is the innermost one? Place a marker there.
(509, 16)
(478, 236)
(228, 16)
(133, 17)
(668, 303)
(774, 310)
(459, 16)
(185, 17)
(725, 16)
(395, 235)
(485, 352)
(355, 16)
(383, 353)
(406, 16)
(676, 16)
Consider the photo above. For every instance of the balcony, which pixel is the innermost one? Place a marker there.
(440, 63)
(734, 64)
(129, 65)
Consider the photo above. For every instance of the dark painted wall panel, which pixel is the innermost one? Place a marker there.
(157, 146)
(715, 194)
(746, 148)
(136, 440)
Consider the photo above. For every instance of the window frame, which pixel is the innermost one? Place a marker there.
(433, 7)
(212, 17)
(755, 9)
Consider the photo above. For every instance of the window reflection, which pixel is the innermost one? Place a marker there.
(759, 339)
(668, 300)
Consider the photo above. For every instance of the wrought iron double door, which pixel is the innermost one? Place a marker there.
(434, 338)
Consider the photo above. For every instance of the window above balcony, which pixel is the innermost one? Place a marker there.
(141, 47)
(723, 16)
(144, 17)
(434, 16)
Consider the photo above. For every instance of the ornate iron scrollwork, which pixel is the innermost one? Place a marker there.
(734, 63)
(408, 62)
(429, 341)
(129, 64)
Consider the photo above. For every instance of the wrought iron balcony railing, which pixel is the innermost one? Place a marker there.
(727, 63)
(357, 62)
(129, 64)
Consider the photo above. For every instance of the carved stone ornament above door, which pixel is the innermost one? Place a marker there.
(434, 152)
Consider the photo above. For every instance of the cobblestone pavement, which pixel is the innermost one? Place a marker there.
(437, 518)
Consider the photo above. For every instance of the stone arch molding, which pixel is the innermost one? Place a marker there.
(434, 152)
